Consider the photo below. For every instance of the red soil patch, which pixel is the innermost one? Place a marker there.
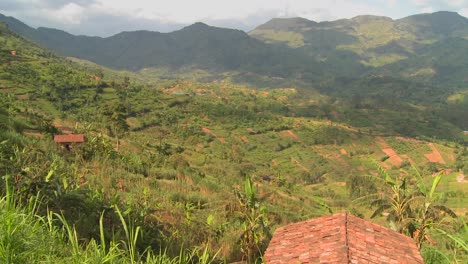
(434, 156)
(343, 151)
(382, 142)
(394, 158)
(208, 131)
(291, 134)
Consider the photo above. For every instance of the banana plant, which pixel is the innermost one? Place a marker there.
(254, 222)
(429, 212)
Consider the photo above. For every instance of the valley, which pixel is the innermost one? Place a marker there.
(200, 152)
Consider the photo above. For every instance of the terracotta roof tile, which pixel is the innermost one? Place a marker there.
(72, 138)
(340, 238)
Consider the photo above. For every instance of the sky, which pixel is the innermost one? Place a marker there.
(109, 17)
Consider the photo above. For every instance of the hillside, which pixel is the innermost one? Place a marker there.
(371, 42)
(419, 59)
(174, 155)
(198, 46)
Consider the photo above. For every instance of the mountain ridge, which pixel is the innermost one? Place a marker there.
(424, 59)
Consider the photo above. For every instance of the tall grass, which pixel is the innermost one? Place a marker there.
(23, 238)
(26, 237)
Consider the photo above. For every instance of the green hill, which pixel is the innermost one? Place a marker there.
(175, 156)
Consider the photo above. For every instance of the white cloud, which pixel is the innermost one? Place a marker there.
(112, 16)
(441, 4)
(189, 11)
(70, 13)
(464, 12)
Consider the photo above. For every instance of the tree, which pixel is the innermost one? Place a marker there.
(116, 115)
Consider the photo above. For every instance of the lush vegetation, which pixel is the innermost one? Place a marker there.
(179, 171)
(374, 65)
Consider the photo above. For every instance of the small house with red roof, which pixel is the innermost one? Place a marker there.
(340, 238)
(68, 140)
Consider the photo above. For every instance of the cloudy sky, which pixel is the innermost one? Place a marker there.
(108, 17)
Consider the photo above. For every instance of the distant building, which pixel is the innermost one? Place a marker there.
(68, 140)
(340, 238)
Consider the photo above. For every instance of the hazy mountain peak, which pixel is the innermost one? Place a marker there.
(197, 26)
(370, 18)
(441, 16)
(286, 24)
(443, 23)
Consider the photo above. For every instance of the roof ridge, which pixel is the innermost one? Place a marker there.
(346, 237)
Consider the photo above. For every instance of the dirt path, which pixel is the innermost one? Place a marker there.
(290, 134)
(394, 158)
(434, 156)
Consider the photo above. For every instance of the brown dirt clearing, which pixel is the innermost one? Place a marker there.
(434, 156)
(394, 158)
(382, 142)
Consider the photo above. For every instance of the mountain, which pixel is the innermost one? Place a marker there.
(376, 40)
(199, 45)
(302, 50)
(429, 49)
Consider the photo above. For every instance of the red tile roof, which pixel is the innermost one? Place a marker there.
(340, 238)
(72, 138)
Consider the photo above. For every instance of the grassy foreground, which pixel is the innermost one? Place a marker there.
(26, 237)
